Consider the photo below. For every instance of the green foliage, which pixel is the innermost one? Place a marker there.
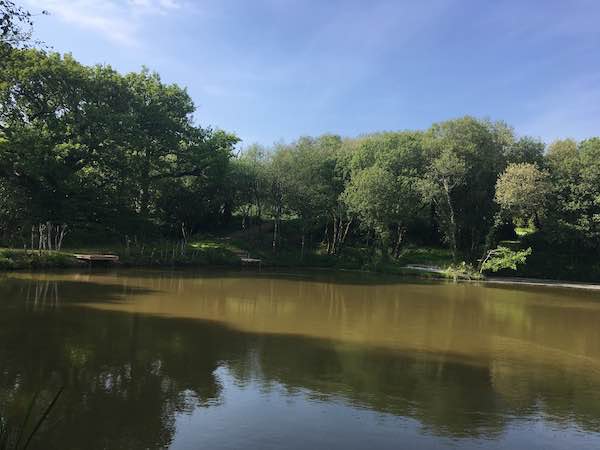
(504, 258)
(524, 231)
(574, 215)
(465, 157)
(522, 190)
(22, 259)
(525, 151)
(370, 194)
(462, 271)
(381, 187)
(248, 179)
(15, 26)
(6, 263)
(87, 145)
(425, 256)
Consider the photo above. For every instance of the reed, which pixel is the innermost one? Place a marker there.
(20, 436)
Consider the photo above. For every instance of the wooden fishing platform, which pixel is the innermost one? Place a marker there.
(96, 258)
(245, 259)
(251, 260)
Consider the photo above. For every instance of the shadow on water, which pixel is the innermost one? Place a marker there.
(325, 275)
(128, 376)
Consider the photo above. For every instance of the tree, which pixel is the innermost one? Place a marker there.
(249, 180)
(589, 189)
(242, 179)
(444, 175)
(381, 189)
(308, 170)
(525, 150)
(276, 173)
(256, 160)
(522, 191)
(13, 213)
(381, 201)
(91, 147)
(305, 184)
(196, 203)
(575, 176)
(164, 144)
(15, 24)
(563, 158)
(465, 157)
(60, 122)
(335, 175)
(503, 258)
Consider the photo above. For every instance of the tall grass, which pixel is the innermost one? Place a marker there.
(20, 436)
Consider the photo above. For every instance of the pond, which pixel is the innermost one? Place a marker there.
(215, 360)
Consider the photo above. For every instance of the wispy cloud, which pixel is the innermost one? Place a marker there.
(119, 21)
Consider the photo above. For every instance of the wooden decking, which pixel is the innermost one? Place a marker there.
(96, 258)
(245, 259)
(251, 260)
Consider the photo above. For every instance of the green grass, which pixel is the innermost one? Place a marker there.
(525, 231)
(161, 254)
(427, 256)
(197, 253)
(11, 259)
(226, 251)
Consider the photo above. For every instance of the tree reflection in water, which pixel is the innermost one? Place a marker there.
(128, 376)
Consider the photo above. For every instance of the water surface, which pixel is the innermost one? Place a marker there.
(212, 360)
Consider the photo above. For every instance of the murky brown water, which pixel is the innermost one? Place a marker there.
(211, 360)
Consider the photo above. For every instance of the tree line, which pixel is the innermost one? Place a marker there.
(97, 150)
(465, 183)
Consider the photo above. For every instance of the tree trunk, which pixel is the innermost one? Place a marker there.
(385, 241)
(326, 237)
(145, 186)
(49, 235)
(258, 209)
(451, 223)
(344, 235)
(537, 223)
(336, 232)
(275, 229)
(245, 215)
(489, 239)
(145, 199)
(399, 238)
(63, 232)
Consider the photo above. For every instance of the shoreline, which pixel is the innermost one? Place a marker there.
(541, 282)
(421, 273)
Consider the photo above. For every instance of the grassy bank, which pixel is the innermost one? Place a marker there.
(227, 252)
(547, 261)
(147, 255)
(227, 249)
(16, 259)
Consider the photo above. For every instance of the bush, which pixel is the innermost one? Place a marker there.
(6, 263)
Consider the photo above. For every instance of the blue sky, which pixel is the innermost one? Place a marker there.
(272, 70)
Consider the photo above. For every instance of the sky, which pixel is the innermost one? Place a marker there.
(275, 70)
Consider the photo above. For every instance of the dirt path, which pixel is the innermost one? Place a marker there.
(423, 268)
(544, 283)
